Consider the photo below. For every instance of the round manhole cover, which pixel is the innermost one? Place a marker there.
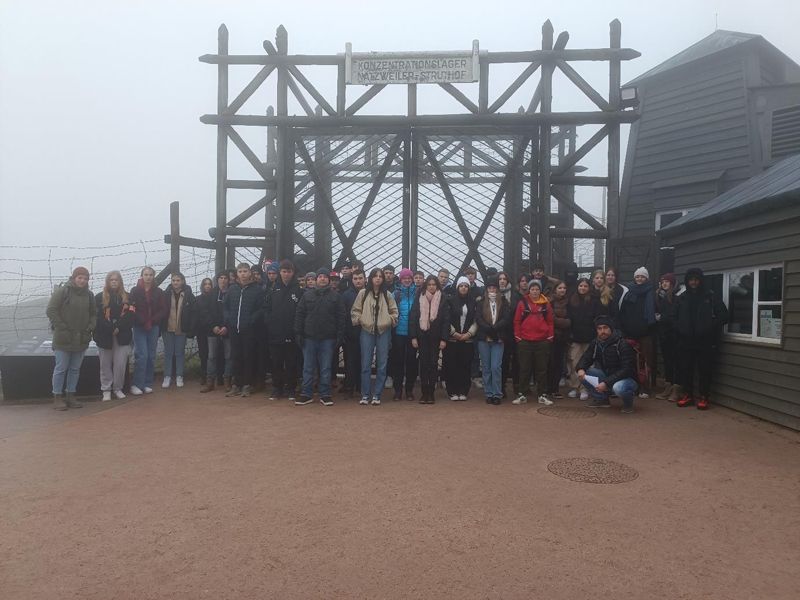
(567, 412)
(592, 470)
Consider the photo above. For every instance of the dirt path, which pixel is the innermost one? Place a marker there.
(181, 495)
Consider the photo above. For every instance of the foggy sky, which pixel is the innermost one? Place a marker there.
(100, 100)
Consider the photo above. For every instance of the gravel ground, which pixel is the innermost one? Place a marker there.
(183, 495)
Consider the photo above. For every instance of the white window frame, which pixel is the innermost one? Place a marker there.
(661, 213)
(726, 284)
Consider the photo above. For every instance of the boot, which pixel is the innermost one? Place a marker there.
(685, 400)
(702, 403)
(208, 386)
(72, 402)
(227, 384)
(58, 402)
(667, 391)
(203, 379)
(675, 393)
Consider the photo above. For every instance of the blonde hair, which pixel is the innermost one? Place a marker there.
(606, 294)
(107, 289)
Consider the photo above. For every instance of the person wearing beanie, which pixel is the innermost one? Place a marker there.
(257, 273)
(429, 327)
(403, 363)
(667, 338)
(391, 283)
(280, 308)
(73, 314)
(243, 310)
(547, 282)
(310, 280)
(150, 304)
(347, 277)
(608, 366)
(457, 356)
(699, 316)
(533, 331)
(319, 328)
(493, 316)
(637, 320)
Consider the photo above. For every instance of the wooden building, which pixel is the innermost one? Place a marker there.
(712, 116)
(747, 241)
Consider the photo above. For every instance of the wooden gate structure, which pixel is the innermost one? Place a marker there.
(420, 190)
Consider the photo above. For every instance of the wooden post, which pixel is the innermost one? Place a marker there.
(284, 238)
(322, 222)
(413, 207)
(412, 99)
(483, 87)
(408, 174)
(175, 236)
(222, 151)
(545, 250)
(269, 211)
(614, 81)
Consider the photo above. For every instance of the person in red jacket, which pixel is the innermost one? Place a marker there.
(533, 331)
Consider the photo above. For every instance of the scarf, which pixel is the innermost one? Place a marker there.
(428, 309)
(490, 309)
(645, 289)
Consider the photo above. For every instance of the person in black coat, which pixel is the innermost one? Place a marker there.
(582, 309)
(200, 329)
(352, 338)
(177, 328)
(113, 334)
(243, 309)
(637, 320)
(429, 327)
(280, 309)
(698, 319)
(457, 356)
(493, 316)
(612, 361)
(319, 328)
(667, 338)
(211, 323)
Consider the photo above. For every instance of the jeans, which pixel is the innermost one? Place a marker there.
(317, 354)
(213, 348)
(113, 363)
(624, 388)
(174, 346)
(378, 345)
(492, 365)
(144, 356)
(68, 366)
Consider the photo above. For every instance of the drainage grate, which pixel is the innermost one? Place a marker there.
(567, 412)
(592, 470)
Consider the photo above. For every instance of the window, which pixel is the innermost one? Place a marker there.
(665, 218)
(754, 298)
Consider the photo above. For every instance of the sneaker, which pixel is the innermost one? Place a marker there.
(364, 401)
(454, 397)
(584, 396)
(246, 390)
(644, 395)
(545, 400)
(389, 383)
(626, 410)
(106, 396)
(478, 382)
(120, 395)
(179, 381)
(397, 396)
(573, 393)
(167, 381)
(326, 401)
(292, 396)
(135, 391)
(303, 400)
(275, 394)
(235, 391)
(462, 397)
(521, 399)
(376, 401)
(597, 403)
(148, 390)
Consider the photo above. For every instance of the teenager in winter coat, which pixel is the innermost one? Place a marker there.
(177, 328)
(211, 323)
(243, 309)
(561, 338)
(699, 317)
(429, 327)
(582, 309)
(200, 329)
(618, 292)
(533, 330)
(604, 297)
(460, 343)
(352, 336)
(493, 316)
(73, 314)
(403, 363)
(667, 338)
(151, 307)
(113, 334)
(375, 311)
(637, 319)
(279, 313)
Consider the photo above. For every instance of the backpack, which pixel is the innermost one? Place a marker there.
(65, 297)
(526, 311)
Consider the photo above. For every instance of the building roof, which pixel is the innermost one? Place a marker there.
(716, 42)
(778, 185)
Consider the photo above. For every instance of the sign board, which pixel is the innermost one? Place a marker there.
(370, 68)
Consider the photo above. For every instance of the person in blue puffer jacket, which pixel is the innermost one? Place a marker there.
(403, 364)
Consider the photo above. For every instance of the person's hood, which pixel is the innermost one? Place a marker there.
(694, 272)
(542, 299)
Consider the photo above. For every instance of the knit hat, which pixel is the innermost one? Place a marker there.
(669, 277)
(310, 274)
(492, 282)
(462, 281)
(491, 271)
(405, 272)
(80, 271)
(604, 320)
(323, 271)
(256, 269)
(272, 267)
(642, 271)
(534, 282)
(334, 275)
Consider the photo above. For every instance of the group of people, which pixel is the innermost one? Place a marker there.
(594, 336)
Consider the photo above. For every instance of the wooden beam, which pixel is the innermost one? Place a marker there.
(583, 85)
(249, 212)
(584, 180)
(249, 89)
(579, 233)
(298, 93)
(175, 235)
(571, 159)
(515, 85)
(311, 89)
(563, 198)
(247, 152)
(460, 96)
(222, 148)
(260, 59)
(192, 242)
(251, 184)
(545, 166)
(373, 91)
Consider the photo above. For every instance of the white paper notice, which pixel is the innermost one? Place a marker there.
(591, 380)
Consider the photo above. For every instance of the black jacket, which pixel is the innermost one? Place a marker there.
(120, 316)
(455, 309)
(440, 327)
(637, 311)
(698, 313)
(614, 357)
(498, 331)
(279, 311)
(352, 332)
(243, 306)
(320, 315)
(209, 313)
(582, 315)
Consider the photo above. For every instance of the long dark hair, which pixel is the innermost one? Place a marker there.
(424, 287)
(577, 297)
(371, 286)
(203, 284)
